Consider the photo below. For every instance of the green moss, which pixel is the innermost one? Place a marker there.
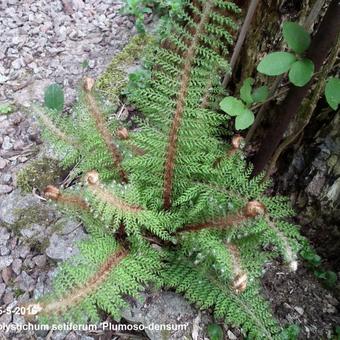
(28, 217)
(38, 174)
(39, 246)
(17, 292)
(6, 108)
(114, 79)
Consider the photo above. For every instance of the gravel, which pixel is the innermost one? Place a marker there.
(44, 41)
(5, 261)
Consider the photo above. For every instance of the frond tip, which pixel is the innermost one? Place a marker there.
(77, 294)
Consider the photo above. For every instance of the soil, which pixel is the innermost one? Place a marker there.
(299, 298)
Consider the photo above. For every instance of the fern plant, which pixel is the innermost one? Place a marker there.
(169, 204)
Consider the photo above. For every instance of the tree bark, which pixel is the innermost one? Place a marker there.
(321, 44)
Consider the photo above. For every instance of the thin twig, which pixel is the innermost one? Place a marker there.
(238, 47)
(313, 15)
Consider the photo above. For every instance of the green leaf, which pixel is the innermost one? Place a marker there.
(85, 64)
(232, 106)
(245, 91)
(5, 109)
(276, 63)
(291, 332)
(301, 72)
(332, 92)
(331, 278)
(297, 38)
(54, 97)
(337, 330)
(244, 120)
(312, 258)
(215, 332)
(260, 94)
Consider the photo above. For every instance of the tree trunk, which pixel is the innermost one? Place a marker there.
(286, 111)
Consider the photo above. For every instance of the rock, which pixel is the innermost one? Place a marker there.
(4, 235)
(16, 201)
(231, 335)
(8, 298)
(2, 289)
(12, 243)
(62, 243)
(72, 336)
(85, 337)
(25, 210)
(7, 274)
(32, 232)
(39, 288)
(299, 310)
(5, 261)
(18, 145)
(5, 189)
(165, 308)
(16, 266)
(6, 178)
(28, 262)
(4, 251)
(40, 260)
(6, 144)
(23, 250)
(32, 92)
(18, 320)
(61, 335)
(25, 282)
(3, 163)
(5, 319)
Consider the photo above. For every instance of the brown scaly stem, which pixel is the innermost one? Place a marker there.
(78, 293)
(53, 193)
(180, 107)
(92, 180)
(102, 128)
(251, 210)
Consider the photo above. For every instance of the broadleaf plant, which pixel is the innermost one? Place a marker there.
(54, 97)
(241, 108)
(332, 92)
(276, 63)
(297, 38)
(260, 94)
(301, 72)
(246, 91)
(168, 204)
(300, 69)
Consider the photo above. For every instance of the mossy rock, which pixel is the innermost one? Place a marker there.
(114, 79)
(38, 174)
